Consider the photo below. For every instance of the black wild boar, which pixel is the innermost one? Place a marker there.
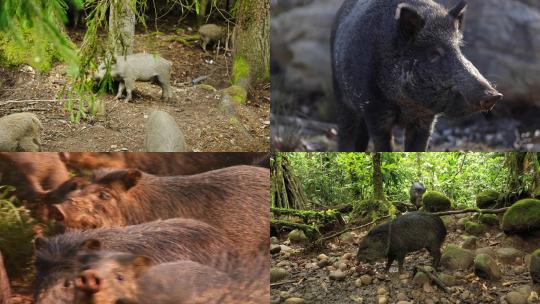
(399, 62)
(234, 199)
(161, 241)
(407, 233)
(416, 192)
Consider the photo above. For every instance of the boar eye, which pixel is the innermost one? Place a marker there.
(119, 277)
(104, 196)
(67, 284)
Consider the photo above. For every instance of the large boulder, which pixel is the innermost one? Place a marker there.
(435, 201)
(522, 217)
(487, 199)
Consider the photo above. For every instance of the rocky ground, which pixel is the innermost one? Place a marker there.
(195, 107)
(331, 275)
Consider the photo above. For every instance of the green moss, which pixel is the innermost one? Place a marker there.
(237, 93)
(241, 70)
(474, 228)
(536, 253)
(523, 216)
(487, 199)
(435, 201)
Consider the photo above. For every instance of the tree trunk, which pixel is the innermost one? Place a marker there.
(5, 291)
(122, 26)
(285, 188)
(418, 166)
(377, 177)
(251, 42)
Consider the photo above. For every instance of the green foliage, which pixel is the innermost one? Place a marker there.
(338, 178)
(16, 236)
(523, 216)
(33, 26)
(16, 53)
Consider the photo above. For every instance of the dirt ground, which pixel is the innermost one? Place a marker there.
(312, 283)
(196, 108)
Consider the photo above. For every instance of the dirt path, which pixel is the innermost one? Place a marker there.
(195, 108)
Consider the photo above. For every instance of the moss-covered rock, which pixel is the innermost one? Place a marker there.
(237, 93)
(435, 201)
(534, 266)
(454, 257)
(487, 199)
(474, 228)
(485, 267)
(523, 216)
(297, 236)
(489, 219)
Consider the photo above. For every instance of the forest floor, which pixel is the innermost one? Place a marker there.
(195, 108)
(312, 283)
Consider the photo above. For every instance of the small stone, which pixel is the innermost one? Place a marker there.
(295, 301)
(383, 300)
(347, 256)
(322, 256)
(515, 297)
(274, 240)
(381, 291)
(420, 278)
(277, 274)
(323, 263)
(274, 249)
(337, 275)
(366, 279)
(402, 297)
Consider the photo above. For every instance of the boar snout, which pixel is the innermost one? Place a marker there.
(488, 101)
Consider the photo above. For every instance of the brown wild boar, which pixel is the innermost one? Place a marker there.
(234, 199)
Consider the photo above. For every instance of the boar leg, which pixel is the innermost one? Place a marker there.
(164, 83)
(436, 254)
(129, 84)
(389, 262)
(120, 90)
(353, 134)
(417, 137)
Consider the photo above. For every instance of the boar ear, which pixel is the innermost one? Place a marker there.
(56, 213)
(141, 264)
(131, 178)
(90, 245)
(409, 21)
(458, 12)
